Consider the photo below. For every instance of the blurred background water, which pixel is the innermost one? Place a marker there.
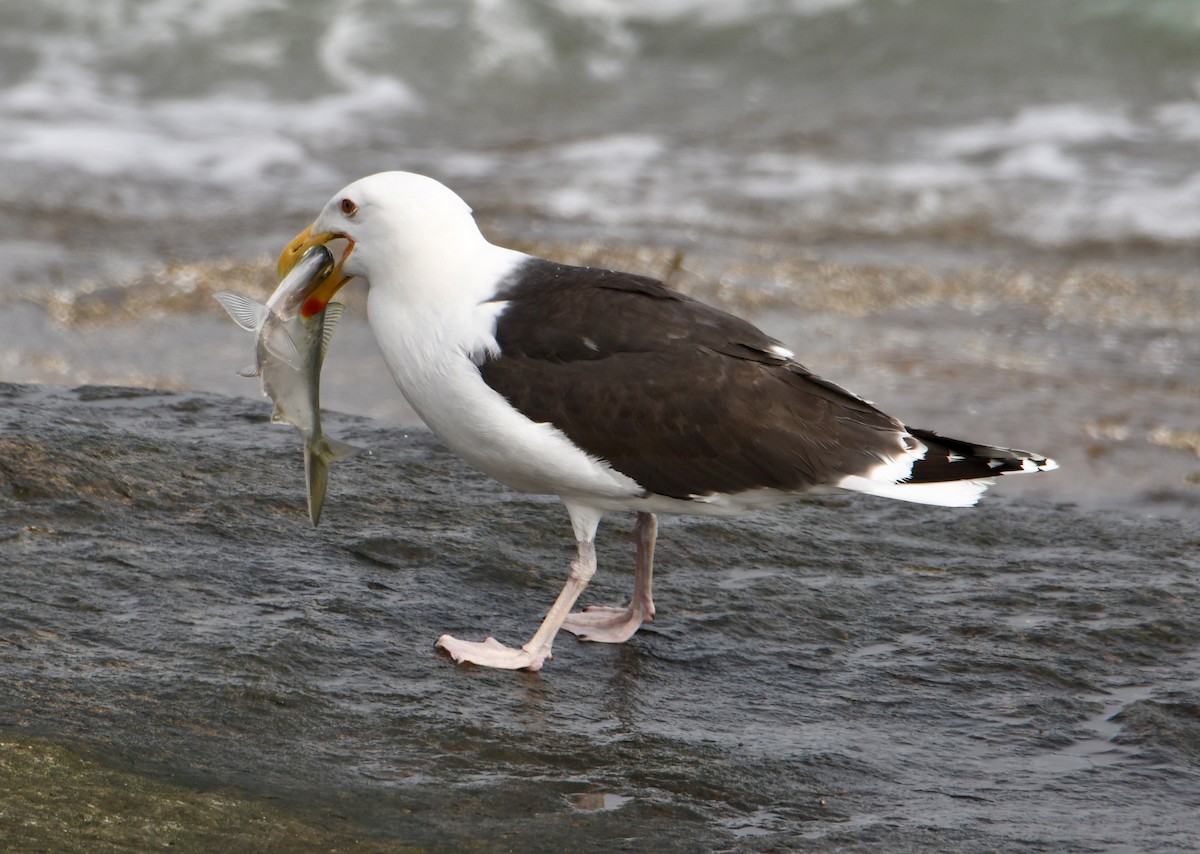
(1009, 189)
(1063, 125)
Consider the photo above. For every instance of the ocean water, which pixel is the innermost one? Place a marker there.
(1063, 125)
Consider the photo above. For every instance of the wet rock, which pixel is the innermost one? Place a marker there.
(843, 674)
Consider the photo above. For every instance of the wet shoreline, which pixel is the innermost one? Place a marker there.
(840, 674)
(1092, 363)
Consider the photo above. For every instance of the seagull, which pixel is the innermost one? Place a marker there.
(609, 390)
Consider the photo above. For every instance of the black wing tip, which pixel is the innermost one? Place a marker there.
(955, 459)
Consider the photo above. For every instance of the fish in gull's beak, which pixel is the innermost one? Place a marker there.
(331, 284)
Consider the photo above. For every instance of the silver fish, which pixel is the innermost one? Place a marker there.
(289, 351)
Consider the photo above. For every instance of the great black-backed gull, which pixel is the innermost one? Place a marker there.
(610, 391)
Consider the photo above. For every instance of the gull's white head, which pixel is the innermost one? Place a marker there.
(391, 222)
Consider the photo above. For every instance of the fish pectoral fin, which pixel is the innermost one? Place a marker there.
(281, 346)
(333, 313)
(245, 312)
(250, 371)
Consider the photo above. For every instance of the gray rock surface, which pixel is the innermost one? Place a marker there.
(185, 661)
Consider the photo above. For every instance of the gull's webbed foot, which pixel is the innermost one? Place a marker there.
(492, 653)
(604, 624)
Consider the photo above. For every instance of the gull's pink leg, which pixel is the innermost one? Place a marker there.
(492, 653)
(617, 625)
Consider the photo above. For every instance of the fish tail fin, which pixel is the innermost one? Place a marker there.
(316, 478)
(317, 458)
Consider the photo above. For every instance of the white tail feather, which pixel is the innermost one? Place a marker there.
(950, 493)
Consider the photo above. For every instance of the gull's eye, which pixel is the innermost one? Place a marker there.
(349, 208)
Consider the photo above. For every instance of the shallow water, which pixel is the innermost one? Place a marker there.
(1090, 364)
(844, 674)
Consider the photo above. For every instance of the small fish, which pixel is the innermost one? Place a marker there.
(289, 351)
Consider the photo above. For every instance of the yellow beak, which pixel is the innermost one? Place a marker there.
(324, 291)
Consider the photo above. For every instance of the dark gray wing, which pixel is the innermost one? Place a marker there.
(684, 398)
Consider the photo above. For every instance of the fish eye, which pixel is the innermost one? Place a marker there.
(349, 208)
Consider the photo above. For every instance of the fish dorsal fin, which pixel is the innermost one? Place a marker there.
(281, 346)
(333, 313)
(245, 312)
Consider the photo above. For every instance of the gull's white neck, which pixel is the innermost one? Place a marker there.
(429, 309)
